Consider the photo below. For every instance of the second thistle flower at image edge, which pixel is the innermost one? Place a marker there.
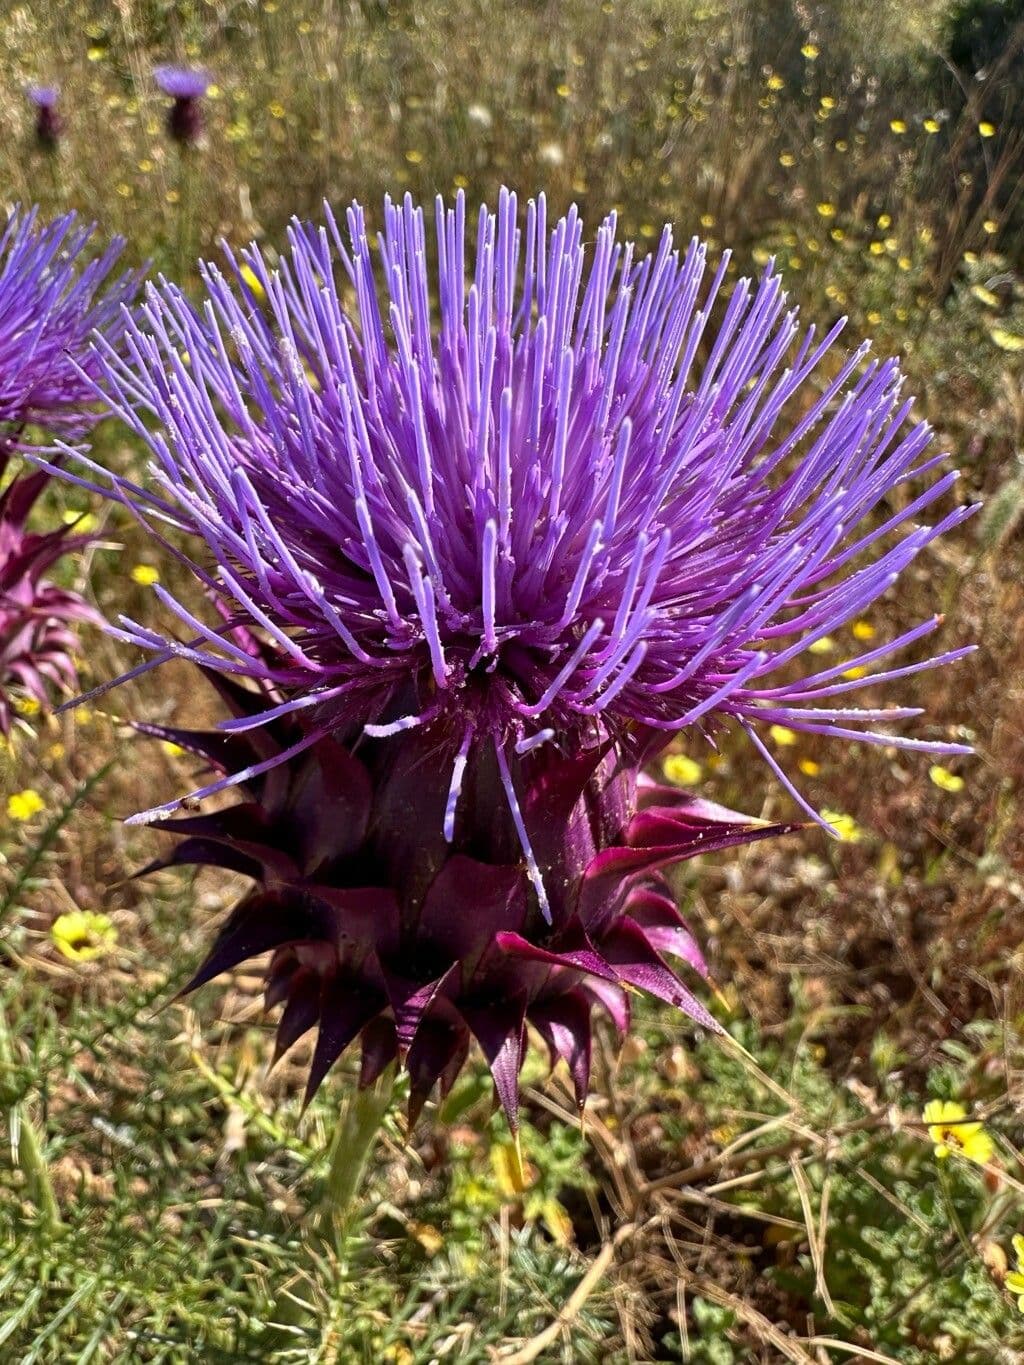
(473, 572)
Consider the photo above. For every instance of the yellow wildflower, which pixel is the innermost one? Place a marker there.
(898, 126)
(775, 82)
(985, 296)
(823, 645)
(82, 935)
(26, 706)
(810, 51)
(253, 281)
(950, 1134)
(990, 226)
(1015, 1280)
(782, 735)
(844, 825)
(1006, 340)
(413, 157)
(987, 129)
(563, 91)
(863, 630)
(827, 210)
(787, 159)
(944, 779)
(24, 804)
(857, 671)
(145, 574)
(931, 125)
(827, 102)
(809, 767)
(681, 770)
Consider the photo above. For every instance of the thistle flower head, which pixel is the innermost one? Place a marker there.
(49, 124)
(476, 561)
(53, 296)
(186, 85)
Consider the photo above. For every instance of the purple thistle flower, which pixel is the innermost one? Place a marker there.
(49, 124)
(475, 571)
(53, 296)
(186, 85)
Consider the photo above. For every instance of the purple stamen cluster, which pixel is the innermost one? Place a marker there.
(493, 531)
(53, 297)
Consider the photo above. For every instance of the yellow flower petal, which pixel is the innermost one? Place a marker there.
(782, 735)
(82, 935)
(145, 575)
(944, 779)
(1006, 340)
(844, 825)
(682, 770)
(24, 804)
(943, 1111)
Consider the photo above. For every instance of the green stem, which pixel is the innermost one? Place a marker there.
(185, 245)
(30, 1155)
(353, 1143)
(351, 1147)
(32, 1161)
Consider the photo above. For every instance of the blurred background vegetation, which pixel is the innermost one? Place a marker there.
(783, 1202)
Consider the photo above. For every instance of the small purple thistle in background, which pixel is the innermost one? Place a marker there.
(186, 86)
(474, 570)
(49, 123)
